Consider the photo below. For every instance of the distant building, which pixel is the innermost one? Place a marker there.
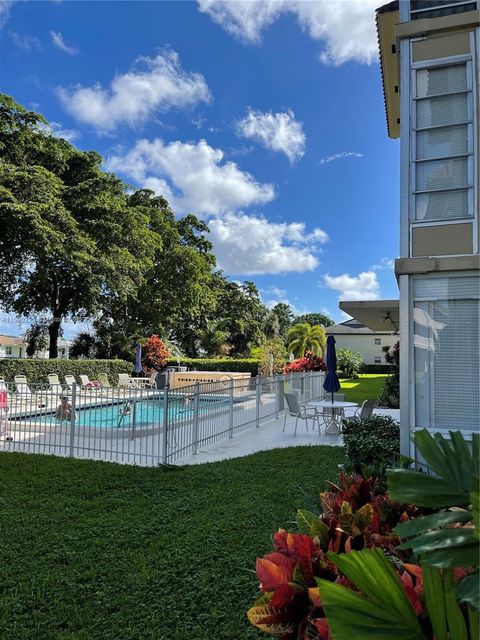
(12, 347)
(354, 335)
(16, 347)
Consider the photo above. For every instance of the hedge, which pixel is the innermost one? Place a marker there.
(37, 370)
(248, 365)
(377, 368)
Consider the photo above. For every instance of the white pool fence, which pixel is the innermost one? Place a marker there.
(141, 425)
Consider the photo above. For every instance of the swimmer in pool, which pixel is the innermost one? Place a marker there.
(64, 409)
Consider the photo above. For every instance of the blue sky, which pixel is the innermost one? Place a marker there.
(266, 119)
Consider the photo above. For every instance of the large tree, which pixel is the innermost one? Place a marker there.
(77, 243)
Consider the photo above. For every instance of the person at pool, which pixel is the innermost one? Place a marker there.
(64, 409)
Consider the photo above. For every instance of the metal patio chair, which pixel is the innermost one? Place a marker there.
(299, 412)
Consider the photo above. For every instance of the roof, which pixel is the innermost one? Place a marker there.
(352, 327)
(381, 316)
(385, 19)
(11, 341)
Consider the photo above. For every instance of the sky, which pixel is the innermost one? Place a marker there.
(265, 118)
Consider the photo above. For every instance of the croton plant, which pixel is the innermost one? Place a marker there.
(402, 564)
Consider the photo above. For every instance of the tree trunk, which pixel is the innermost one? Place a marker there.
(53, 333)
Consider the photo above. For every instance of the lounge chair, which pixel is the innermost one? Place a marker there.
(25, 396)
(53, 380)
(300, 413)
(70, 381)
(86, 382)
(103, 380)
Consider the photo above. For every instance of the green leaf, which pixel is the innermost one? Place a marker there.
(311, 525)
(455, 619)
(473, 623)
(385, 612)
(434, 598)
(434, 521)
(469, 590)
(453, 465)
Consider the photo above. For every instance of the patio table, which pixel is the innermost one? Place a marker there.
(333, 417)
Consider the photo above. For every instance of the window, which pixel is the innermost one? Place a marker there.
(437, 8)
(378, 341)
(377, 360)
(442, 143)
(446, 316)
(8, 351)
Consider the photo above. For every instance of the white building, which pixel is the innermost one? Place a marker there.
(12, 347)
(354, 335)
(16, 347)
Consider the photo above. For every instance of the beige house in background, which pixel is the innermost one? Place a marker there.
(354, 335)
(12, 347)
(430, 60)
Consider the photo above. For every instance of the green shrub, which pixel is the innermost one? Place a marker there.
(373, 442)
(349, 362)
(248, 365)
(390, 396)
(38, 370)
(376, 368)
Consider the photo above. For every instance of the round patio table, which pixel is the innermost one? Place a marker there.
(333, 412)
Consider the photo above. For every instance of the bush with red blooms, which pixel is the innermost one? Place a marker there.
(309, 362)
(154, 354)
(357, 514)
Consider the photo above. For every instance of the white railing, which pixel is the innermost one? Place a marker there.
(139, 425)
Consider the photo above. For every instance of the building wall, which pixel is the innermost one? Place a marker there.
(365, 344)
(439, 298)
(12, 352)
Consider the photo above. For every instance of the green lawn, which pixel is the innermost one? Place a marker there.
(367, 385)
(96, 550)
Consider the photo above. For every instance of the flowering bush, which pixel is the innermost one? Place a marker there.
(347, 573)
(154, 354)
(309, 362)
(357, 514)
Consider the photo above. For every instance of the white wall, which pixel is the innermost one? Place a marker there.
(365, 344)
(16, 352)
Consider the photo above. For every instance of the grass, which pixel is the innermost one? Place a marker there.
(94, 550)
(367, 385)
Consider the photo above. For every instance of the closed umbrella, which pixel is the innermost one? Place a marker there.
(138, 359)
(331, 382)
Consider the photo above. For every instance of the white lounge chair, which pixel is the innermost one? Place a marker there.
(25, 395)
(124, 380)
(70, 381)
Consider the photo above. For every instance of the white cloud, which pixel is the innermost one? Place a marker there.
(59, 42)
(361, 287)
(248, 245)
(346, 28)
(274, 295)
(275, 131)
(27, 43)
(57, 130)
(192, 176)
(385, 263)
(155, 84)
(5, 6)
(340, 156)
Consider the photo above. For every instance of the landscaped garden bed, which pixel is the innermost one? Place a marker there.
(96, 550)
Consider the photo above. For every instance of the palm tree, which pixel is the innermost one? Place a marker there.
(306, 337)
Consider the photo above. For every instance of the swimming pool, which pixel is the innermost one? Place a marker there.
(146, 413)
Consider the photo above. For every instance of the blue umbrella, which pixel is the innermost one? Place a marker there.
(331, 382)
(138, 358)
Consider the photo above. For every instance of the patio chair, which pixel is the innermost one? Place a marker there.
(25, 395)
(86, 382)
(365, 411)
(124, 380)
(300, 413)
(70, 381)
(103, 380)
(152, 381)
(53, 380)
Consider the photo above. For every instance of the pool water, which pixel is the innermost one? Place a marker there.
(147, 413)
